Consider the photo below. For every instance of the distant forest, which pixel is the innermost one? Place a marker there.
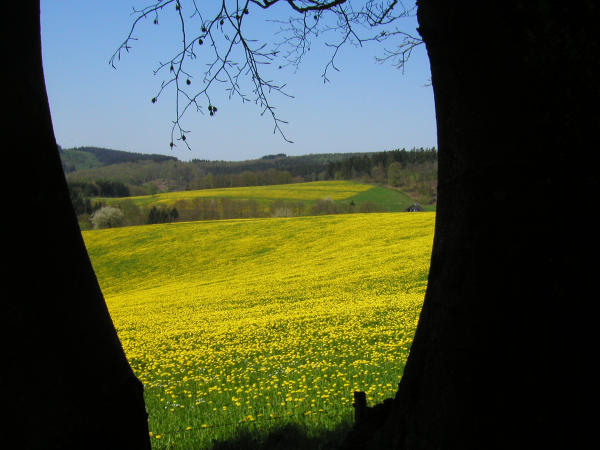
(89, 157)
(95, 172)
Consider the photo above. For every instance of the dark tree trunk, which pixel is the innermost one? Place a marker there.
(499, 357)
(65, 381)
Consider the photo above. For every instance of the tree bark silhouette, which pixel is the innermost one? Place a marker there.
(499, 359)
(65, 381)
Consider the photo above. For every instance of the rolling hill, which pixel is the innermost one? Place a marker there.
(249, 324)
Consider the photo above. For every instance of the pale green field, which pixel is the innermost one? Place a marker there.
(247, 324)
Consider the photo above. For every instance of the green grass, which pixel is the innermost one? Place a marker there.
(289, 436)
(390, 200)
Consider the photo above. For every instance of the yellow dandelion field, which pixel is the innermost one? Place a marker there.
(245, 323)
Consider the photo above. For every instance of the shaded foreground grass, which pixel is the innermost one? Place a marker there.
(247, 326)
(290, 436)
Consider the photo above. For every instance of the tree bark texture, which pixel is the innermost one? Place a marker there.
(502, 353)
(65, 381)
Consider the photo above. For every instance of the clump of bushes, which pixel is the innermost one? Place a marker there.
(107, 217)
(162, 215)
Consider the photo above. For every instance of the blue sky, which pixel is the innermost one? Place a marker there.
(366, 106)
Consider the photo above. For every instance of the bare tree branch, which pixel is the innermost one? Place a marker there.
(237, 59)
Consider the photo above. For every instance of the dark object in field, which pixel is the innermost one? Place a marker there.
(415, 207)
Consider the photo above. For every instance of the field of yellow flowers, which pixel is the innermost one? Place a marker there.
(314, 190)
(246, 324)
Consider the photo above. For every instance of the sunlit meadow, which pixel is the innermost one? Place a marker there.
(311, 191)
(247, 324)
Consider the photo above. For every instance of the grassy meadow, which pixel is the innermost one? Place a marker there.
(249, 324)
(315, 190)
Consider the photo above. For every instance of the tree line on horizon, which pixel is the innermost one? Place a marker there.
(414, 171)
(150, 176)
(76, 158)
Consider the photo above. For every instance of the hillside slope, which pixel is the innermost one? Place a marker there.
(287, 200)
(238, 323)
(85, 158)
